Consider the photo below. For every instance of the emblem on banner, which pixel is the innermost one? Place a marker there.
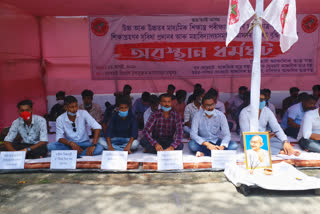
(99, 27)
(234, 13)
(309, 23)
(283, 16)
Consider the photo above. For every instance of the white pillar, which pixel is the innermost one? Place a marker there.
(256, 72)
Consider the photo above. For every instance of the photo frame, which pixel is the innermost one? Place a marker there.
(257, 150)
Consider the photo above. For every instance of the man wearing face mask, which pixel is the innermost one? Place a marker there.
(295, 115)
(122, 130)
(58, 108)
(163, 131)
(93, 108)
(208, 125)
(33, 130)
(71, 133)
(278, 140)
(191, 109)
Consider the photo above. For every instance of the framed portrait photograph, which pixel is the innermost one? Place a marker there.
(257, 150)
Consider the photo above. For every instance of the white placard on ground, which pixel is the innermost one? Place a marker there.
(12, 160)
(114, 160)
(220, 158)
(170, 160)
(63, 159)
(52, 125)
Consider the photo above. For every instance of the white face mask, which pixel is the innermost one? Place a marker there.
(60, 102)
(209, 113)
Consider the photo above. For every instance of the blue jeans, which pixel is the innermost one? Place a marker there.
(84, 145)
(119, 143)
(195, 147)
(310, 145)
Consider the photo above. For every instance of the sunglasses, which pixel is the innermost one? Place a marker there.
(74, 127)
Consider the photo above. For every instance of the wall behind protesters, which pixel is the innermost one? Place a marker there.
(66, 49)
(19, 63)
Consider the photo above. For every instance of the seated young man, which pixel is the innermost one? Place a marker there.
(296, 113)
(94, 109)
(122, 130)
(58, 108)
(278, 140)
(191, 109)
(71, 133)
(309, 134)
(140, 106)
(196, 88)
(170, 91)
(33, 131)
(154, 106)
(316, 94)
(268, 103)
(233, 104)
(179, 104)
(291, 100)
(163, 130)
(126, 92)
(208, 125)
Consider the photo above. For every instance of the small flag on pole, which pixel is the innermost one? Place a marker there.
(239, 12)
(281, 14)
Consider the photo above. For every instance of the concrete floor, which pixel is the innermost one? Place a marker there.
(194, 192)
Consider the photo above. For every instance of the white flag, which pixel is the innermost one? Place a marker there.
(239, 12)
(281, 14)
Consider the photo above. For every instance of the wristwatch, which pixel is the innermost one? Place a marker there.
(29, 149)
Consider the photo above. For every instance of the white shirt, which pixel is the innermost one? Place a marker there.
(190, 111)
(272, 108)
(33, 134)
(295, 112)
(64, 128)
(235, 102)
(220, 106)
(310, 124)
(253, 159)
(266, 118)
(210, 129)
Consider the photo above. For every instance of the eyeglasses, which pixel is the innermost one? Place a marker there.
(209, 106)
(74, 127)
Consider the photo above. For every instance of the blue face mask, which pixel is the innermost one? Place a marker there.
(72, 114)
(209, 113)
(262, 104)
(123, 113)
(165, 109)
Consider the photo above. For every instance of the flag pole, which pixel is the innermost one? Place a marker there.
(256, 72)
